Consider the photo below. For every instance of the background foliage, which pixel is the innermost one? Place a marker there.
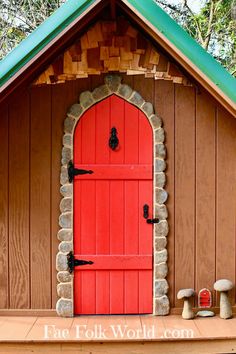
(214, 26)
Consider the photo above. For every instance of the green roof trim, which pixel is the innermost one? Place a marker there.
(68, 12)
(187, 45)
(40, 37)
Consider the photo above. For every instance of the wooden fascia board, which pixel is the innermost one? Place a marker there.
(191, 68)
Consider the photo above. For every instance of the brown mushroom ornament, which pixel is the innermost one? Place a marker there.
(223, 286)
(186, 294)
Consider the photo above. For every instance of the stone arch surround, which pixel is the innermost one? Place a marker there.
(113, 85)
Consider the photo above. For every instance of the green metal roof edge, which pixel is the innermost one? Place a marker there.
(187, 45)
(40, 37)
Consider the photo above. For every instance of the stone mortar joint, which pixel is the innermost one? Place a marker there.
(186, 295)
(223, 286)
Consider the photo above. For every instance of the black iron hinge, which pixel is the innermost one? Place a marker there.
(75, 171)
(72, 262)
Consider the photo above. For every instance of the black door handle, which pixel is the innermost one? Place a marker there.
(153, 221)
(146, 214)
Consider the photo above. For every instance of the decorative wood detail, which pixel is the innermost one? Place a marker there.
(111, 46)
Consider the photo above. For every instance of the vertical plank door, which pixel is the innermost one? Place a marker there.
(109, 227)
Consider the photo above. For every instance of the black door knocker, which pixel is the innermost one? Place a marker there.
(113, 141)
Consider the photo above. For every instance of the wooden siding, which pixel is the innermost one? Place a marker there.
(201, 146)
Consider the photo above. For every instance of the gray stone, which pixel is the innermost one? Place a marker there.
(113, 82)
(161, 229)
(225, 306)
(161, 211)
(75, 111)
(86, 99)
(61, 262)
(65, 247)
(185, 293)
(159, 135)
(125, 91)
(161, 196)
(64, 308)
(136, 99)
(205, 313)
(65, 220)
(67, 189)
(64, 175)
(161, 256)
(223, 285)
(69, 125)
(162, 306)
(148, 108)
(65, 235)
(160, 151)
(161, 287)
(156, 121)
(67, 140)
(160, 179)
(66, 205)
(100, 92)
(64, 290)
(66, 155)
(160, 165)
(160, 243)
(64, 277)
(161, 271)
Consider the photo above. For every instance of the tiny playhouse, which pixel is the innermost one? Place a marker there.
(117, 169)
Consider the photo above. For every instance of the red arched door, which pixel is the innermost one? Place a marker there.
(109, 227)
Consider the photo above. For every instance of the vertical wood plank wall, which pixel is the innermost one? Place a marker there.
(201, 182)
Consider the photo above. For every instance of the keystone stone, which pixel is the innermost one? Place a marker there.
(113, 82)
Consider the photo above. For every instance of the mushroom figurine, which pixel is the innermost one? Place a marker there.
(223, 286)
(186, 294)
